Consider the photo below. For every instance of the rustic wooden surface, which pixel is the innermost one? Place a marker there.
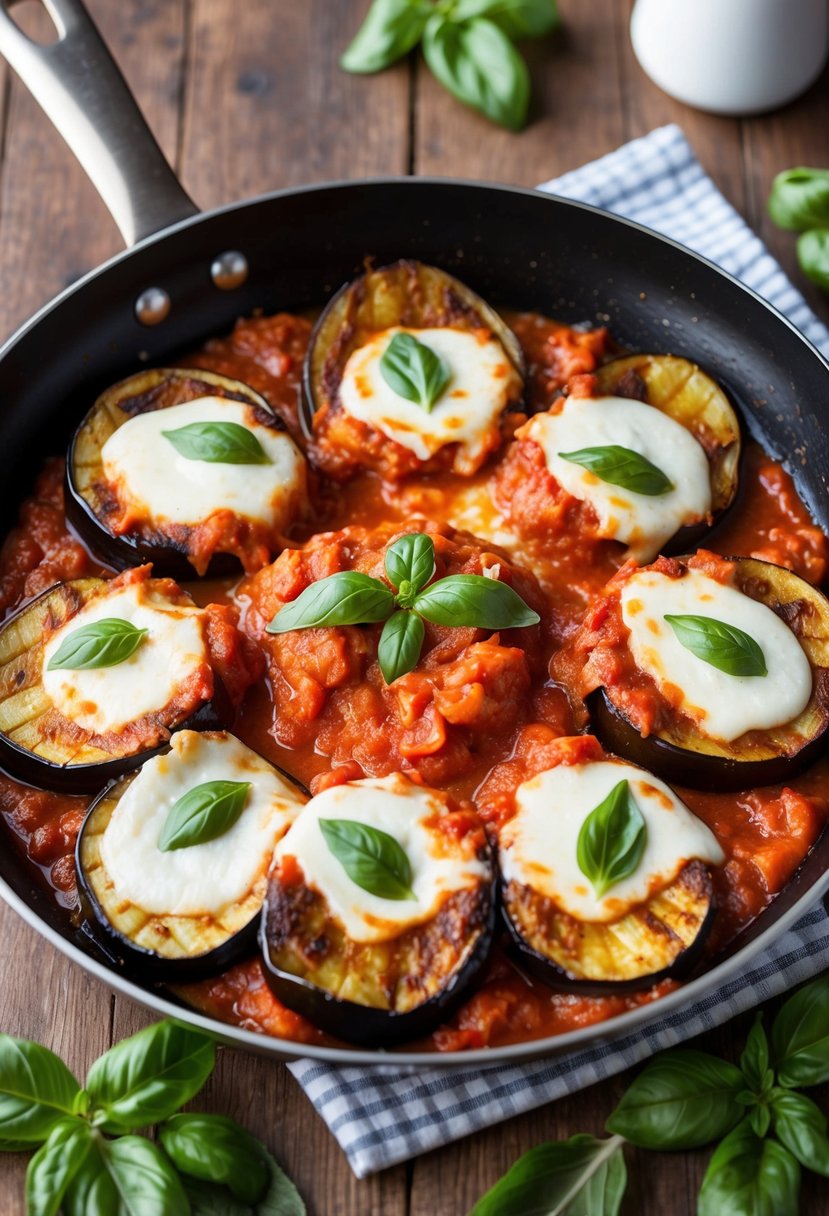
(246, 98)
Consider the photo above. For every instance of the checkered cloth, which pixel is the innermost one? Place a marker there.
(381, 1117)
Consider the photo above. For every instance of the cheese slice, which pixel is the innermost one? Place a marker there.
(202, 879)
(440, 865)
(641, 521)
(161, 485)
(538, 847)
(482, 382)
(107, 698)
(724, 706)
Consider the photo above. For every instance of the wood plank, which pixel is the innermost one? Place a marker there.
(267, 105)
(53, 226)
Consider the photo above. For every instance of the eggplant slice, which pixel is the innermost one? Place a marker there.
(659, 939)
(87, 497)
(680, 389)
(38, 745)
(163, 947)
(683, 755)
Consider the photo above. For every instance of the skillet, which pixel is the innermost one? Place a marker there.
(187, 275)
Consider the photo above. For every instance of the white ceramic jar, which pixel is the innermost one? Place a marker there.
(731, 56)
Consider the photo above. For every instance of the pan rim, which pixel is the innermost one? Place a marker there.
(612, 1029)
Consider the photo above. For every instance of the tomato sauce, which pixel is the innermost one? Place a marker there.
(765, 833)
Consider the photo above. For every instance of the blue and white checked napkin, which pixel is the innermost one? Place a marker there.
(380, 1118)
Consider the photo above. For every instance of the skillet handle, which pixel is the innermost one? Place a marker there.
(77, 83)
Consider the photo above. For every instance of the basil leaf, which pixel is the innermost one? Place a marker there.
(410, 563)
(126, 1177)
(681, 1099)
(800, 1036)
(813, 255)
(475, 601)
(400, 644)
(281, 1197)
(582, 1176)
(146, 1078)
(54, 1165)
(623, 467)
(218, 443)
(612, 839)
(37, 1091)
(800, 1125)
(414, 371)
(723, 646)
(478, 64)
(390, 30)
(517, 18)
(217, 1149)
(754, 1061)
(800, 198)
(750, 1177)
(347, 598)
(204, 813)
(102, 644)
(371, 858)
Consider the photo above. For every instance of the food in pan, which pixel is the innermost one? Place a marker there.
(380, 911)
(467, 643)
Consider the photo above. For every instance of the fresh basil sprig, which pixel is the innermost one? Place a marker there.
(612, 839)
(217, 443)
(204, 813)
(467, 44)
(103, 643)
(414, 371)
(624, 467)
(799, 200)
(371, 858)
(353, 598)
(723, 646)
(205, 1165)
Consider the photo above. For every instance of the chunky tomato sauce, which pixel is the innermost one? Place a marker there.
(462, 725)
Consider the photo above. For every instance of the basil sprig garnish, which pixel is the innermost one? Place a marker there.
(353, 598)
(612, 839)
(371, 858)
(721, 645)
(414, 371)
(624, 467)
(103, 643)
(204, 813)
(217, 443)
(90, 1160)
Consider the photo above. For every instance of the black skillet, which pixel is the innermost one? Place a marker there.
(189, 275)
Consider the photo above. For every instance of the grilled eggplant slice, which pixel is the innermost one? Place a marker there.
(243, 522)
(413, 297)
(660, 939)
(404, 975)
(184, 914)
(43, 746)
(681, 753)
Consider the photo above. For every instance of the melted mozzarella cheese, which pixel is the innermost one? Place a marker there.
(405, 811)
(640, 521)
(538, 846)
(724, 706)
(202, 879)
(107, 698)
(153, 478)
(482, 382)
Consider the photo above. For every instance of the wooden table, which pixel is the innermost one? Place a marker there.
(246, 98)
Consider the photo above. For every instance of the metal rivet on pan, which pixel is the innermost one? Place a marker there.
(152, 306)
(229, 270)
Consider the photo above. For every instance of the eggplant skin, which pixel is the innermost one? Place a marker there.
(661, 939)
(295, 932)
(684, 756)
(166, 964)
